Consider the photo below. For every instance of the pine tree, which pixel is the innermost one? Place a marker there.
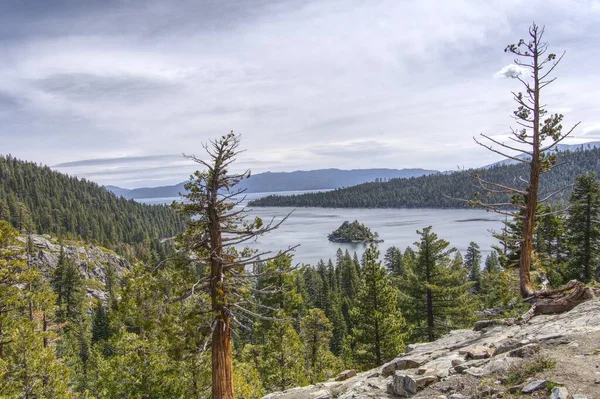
(393, 262)
(316, 332)
(28, 365)
(435, 297)
(473, 264)
(100, 324)
(584, 228)
(378, 326)
(282, 358)
(214, 230)
(492, 264)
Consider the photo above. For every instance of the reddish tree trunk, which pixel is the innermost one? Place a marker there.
(222, 372)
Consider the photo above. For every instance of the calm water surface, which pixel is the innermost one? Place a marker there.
(309, 227)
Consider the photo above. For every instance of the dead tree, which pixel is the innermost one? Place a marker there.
(536, 134)
(216, 227)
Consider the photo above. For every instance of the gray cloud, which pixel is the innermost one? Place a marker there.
(354, 150)
(116, 161)
(309, 84)
(90, 87)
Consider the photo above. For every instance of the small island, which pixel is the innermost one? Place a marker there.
(354, 232)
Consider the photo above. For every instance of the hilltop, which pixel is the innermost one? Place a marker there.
(36, 199)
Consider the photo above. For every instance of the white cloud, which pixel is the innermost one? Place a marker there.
(511, 71)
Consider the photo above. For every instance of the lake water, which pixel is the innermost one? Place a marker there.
(309, 227)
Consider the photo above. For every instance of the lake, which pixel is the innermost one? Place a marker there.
(309, 227)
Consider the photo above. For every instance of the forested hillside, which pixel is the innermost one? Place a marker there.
(35, 199)
(444, 190)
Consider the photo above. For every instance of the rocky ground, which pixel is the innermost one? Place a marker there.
(94, 262)
(555, 356)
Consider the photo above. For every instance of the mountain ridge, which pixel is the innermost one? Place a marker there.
(299, 180)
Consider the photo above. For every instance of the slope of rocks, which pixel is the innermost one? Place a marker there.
(94, 262)
(475, 363)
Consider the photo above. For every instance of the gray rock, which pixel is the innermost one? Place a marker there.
(507, 345)
(478, 352)
(402, 363)
(559, 393)
(422, 382)
(457, 362)
(579, 396)
(481, 324)
(322, 394)
(456, 396)
(525, 351)
(344, 375)
(402, 385)
(535, 385)
(441, 374)
(461, 368)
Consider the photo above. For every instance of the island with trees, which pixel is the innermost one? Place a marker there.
(353, 232)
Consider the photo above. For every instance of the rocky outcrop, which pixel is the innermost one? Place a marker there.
(444, 368)
(94, 262)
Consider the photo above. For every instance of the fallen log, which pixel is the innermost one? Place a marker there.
(557, 301)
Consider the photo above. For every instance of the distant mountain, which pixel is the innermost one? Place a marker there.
(321, 179)
(559, 147)
(446, 190)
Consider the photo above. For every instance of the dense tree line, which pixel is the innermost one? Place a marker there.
(313, 321)
(450, 190)
(36, 199)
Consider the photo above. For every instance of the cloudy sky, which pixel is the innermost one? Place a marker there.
(116, 90)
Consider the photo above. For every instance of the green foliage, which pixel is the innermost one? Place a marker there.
(394, 262)
(100, 324)
(282, 358)
(28, 366)
(517, 374)
(39, 200)
(424, 191)
(316, 332)
(435, 297)
(378, 326)
(473, 264)
(28, 369)
(584, 228)
(353, 232)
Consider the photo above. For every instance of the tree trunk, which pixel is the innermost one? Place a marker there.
(525, 284)
(222, 372)
(587, 272)
(430, 334)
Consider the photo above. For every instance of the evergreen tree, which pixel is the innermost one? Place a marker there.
(584, 228)
(282, 358)
(28, 365)
(100, 324)
(492, 264)
(435, 297)
(214, 230)
(68, 286)
(316, 332)
(393, 262)
(473, 264)
(378, 326)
